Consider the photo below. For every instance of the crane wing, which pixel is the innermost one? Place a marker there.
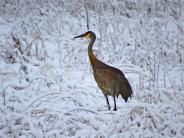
(112, 81)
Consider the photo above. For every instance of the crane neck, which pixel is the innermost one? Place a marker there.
(90, 47)
(91, 55)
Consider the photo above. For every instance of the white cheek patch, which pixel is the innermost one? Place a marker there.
(86, 42)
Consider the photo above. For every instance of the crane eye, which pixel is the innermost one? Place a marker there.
(87, 35)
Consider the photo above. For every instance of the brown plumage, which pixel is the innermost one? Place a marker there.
(110, 80)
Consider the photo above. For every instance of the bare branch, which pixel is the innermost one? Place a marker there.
(87, 16)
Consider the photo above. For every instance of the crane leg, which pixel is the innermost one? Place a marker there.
(114, 103)
(107, 101)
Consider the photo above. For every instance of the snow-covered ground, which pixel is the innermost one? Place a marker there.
(47, 87)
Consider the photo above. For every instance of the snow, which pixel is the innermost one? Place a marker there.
(49, 90)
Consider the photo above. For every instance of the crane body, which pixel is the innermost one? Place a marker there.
(110, 80)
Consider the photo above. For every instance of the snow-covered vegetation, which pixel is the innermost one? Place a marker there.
(47, 87)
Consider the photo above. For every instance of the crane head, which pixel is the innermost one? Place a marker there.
(85, 35)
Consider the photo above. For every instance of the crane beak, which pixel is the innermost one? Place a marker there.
(79, 36)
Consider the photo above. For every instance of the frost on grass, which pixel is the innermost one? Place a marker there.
(46, 83)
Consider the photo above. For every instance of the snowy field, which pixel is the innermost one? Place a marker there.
(47, 89)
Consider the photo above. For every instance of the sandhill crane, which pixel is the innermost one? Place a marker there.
(110, 80)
